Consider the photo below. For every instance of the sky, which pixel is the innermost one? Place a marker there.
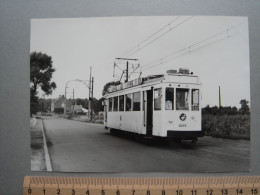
(216, 48)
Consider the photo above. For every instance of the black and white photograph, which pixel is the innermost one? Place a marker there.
(140, 94)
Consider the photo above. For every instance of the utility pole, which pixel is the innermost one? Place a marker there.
(126, 80)
(92, 90)
(65, 102)
(73, 103)
(219, 100)
(89, 102)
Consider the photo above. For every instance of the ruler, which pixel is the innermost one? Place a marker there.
(237, 185)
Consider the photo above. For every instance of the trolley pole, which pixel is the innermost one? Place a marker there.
(127, 69)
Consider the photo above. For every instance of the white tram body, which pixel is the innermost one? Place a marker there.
(167, 105)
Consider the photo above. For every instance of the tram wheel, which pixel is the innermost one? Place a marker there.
(113, 131)
(178, 141)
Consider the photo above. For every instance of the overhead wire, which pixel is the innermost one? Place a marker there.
(160, 60)
(186, 53)
(151, 41)
(150, 36)
(208, 44)
(156, 38)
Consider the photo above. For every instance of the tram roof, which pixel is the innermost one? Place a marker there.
(171, 75)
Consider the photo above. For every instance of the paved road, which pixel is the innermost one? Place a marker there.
(83, 147)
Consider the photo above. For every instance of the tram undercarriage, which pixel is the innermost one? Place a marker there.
(176, 136)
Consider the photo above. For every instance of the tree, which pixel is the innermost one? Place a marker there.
(244, 107)
(108, 85)
(97, 105)
(41, 70)
(224, 110)
(83, 102)
(45, 104)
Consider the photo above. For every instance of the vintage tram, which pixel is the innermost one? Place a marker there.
(166, 105)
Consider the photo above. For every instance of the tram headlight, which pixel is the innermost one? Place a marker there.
(183, 117)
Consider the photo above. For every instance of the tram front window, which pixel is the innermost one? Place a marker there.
(169, 98)
(182, 99)
(195, 99)
(157, 99)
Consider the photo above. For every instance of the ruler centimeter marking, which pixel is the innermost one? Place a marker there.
(236, 185)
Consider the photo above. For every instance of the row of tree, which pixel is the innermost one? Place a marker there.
(244, 109)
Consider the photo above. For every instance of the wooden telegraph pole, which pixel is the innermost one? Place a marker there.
(219, 103)
(92, 90)
(89, 97)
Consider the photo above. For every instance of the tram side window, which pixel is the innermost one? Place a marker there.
(115, 99)
(182, 99)
(157, 99)
(110, 104)
(169, 98)
(195, 99)
(121, 103)
(136, 101)
(128, 102)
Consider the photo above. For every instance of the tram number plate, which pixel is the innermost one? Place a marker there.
(182, 125)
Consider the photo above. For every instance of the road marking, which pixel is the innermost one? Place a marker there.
(47, 156)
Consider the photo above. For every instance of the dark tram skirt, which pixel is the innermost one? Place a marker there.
(184, 135)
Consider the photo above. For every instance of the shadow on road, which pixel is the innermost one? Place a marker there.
(154, 141)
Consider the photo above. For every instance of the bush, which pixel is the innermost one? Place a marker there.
(59, 110)
(229, 126)
(46, 114)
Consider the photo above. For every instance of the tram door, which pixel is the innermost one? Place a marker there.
(149, 115)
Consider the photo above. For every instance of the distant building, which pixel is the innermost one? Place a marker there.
(85, 111)
(75, 109)
(58, 104)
